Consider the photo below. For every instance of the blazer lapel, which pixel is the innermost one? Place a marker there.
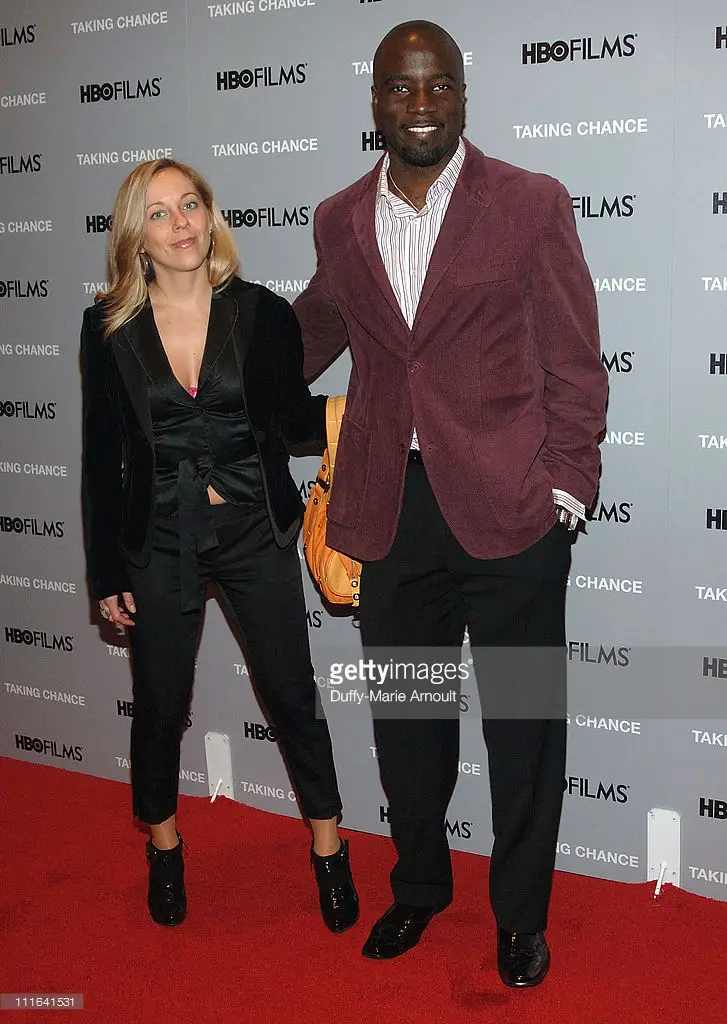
(364, 227)
(243, 305)
(466, 209)
(132, 361)
(223, 316)
(145, 343)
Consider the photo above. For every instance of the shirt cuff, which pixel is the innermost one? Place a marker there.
(566, 500)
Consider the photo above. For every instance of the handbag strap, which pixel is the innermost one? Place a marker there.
(335, 407)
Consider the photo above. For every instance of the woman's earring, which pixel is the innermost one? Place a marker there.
(145, 264)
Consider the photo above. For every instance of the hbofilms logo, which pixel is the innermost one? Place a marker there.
(584, 48)
(255, 731)
(262, 77)
(713, 667)
(24, 289)
(27, 411)
(267, 217)
(31, 744)
(17, 36)
(29, 163)
(616, 512)
(598, 207)
(460, 829)
(125, 709)
(576, 785)
(373, 141)
(26, 525)
(596, 654)
(38, 638)
(716, 519)
(618, 362)
(709, 807)
(98, 222)
(141, 89)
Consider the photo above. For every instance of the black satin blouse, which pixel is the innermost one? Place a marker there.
(198, 442)
(206, 439)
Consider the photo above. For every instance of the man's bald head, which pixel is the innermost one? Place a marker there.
(417, 35)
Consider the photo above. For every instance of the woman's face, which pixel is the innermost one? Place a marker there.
(177, 234)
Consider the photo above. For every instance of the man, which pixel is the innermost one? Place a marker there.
(468, 452)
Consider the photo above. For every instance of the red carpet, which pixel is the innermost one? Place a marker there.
(73, 919)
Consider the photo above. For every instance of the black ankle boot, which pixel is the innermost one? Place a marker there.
(337, 893)
(167, 898)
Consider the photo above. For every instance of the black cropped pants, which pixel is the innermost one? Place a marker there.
(262, 589)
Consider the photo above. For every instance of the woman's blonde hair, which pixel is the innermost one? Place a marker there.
(129, 271)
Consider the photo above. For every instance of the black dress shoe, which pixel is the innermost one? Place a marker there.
(336, 891)
(523, 958)
(167, 898)
(397, 931)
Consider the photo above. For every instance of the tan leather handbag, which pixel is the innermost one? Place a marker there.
(338, 576)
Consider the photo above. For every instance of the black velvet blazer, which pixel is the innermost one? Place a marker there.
(118, 466)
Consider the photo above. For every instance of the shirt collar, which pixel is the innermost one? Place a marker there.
(444, 183)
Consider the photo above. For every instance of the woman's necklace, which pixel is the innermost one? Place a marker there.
(401, 192)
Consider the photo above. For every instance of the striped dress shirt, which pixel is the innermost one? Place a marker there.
(406, 239)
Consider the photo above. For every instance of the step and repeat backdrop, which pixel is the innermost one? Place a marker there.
(270, 99)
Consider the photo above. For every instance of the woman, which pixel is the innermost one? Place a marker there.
(192, 384)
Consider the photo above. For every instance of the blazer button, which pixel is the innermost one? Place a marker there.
(415, 367)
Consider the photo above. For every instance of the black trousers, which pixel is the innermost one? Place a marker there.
(422, 594)
(261, 586)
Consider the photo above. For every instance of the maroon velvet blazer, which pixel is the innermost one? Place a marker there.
(501, 372)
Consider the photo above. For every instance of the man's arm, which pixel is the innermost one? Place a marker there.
(564, 321)
(324, 332)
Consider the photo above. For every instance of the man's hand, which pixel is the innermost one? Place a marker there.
(569, 519)
(116, 611)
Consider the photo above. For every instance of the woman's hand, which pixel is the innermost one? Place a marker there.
(113, 611)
